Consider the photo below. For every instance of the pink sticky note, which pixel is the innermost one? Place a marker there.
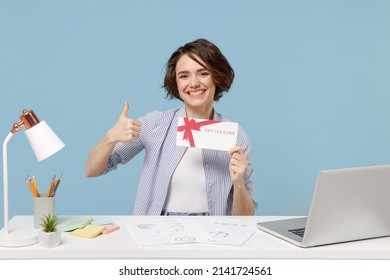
(110, 228)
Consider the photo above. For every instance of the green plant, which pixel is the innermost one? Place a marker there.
(49, 223)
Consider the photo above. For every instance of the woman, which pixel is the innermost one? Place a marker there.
(178, 180)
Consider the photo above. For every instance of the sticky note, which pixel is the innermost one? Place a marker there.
(76, 224)
(110, 228)
(90, 231)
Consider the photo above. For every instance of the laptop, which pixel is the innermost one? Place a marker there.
(348, 204)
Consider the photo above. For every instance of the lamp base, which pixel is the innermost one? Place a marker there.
(18, 237)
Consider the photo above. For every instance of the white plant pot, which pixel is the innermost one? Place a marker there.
(49, 239)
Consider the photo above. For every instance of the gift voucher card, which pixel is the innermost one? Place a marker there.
(207, 134)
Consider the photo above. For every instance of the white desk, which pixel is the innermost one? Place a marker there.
(121, 245)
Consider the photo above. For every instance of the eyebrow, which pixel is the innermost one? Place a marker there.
(186, 71)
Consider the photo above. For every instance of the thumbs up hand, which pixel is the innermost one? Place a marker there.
(125, 129)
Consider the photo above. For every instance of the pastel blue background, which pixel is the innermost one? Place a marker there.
(312, 88)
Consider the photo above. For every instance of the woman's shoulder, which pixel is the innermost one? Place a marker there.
(157, 115)
(158, 118)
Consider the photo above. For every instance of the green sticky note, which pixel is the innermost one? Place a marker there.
(77, 224)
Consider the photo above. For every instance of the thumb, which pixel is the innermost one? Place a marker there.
(125, 110)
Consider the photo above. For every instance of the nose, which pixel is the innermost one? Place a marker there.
(194, 82)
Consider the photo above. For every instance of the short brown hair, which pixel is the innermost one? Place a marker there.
(219, 67)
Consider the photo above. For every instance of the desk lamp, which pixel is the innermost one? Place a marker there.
(44, 143)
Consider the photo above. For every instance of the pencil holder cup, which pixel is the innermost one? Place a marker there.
(42, 206)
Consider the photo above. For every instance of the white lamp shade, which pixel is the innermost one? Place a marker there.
(44, 142)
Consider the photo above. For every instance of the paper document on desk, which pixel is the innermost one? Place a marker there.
(157, 231)
(229, 232)
(207, 134)
(151, 232)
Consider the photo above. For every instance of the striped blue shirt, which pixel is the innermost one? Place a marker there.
(162, 155)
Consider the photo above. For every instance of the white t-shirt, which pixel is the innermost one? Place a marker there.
(187, 189)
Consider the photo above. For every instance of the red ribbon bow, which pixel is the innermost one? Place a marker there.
(190, 125)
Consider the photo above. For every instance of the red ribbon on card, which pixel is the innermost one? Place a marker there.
(189, 126)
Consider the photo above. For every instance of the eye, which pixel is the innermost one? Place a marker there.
(183, 76)
(204, 73)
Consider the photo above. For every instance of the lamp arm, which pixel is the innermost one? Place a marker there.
(5, 181)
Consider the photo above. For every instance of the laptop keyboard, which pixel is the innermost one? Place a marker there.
(299, 231)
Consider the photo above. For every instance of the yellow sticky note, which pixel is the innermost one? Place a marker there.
(90, 231)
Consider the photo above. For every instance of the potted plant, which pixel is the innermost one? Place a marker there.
(50, 235)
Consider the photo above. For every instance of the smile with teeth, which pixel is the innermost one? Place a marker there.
(196, 93)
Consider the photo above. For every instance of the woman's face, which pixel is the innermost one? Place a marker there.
(196, 87)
